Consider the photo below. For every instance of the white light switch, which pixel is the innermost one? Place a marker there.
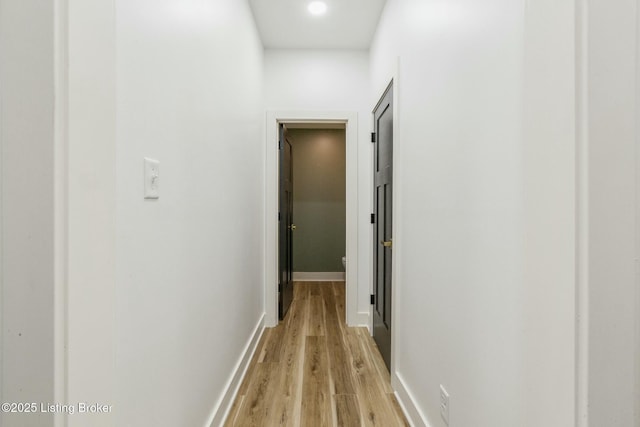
(151, 178)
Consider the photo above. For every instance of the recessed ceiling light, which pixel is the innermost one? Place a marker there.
(317, 8)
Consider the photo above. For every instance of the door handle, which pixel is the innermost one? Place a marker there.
(387, 243)
(293, 226)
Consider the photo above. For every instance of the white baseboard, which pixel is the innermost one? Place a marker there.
(317, 276)
(223, 406)
(413, 413)
(363, 319)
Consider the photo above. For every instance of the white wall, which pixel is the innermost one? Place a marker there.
(27, 207)
(548, 315)
(484, 207)
(189, 265)
(330, 80)
(90, 176)
(610, 192)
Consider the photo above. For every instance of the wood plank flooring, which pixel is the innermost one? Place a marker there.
(312, 370)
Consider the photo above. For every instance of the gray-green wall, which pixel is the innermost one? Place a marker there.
(319, 180)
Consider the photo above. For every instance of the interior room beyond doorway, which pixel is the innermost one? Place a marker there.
(319, 201)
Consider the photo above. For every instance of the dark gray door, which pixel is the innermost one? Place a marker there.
(382, 233)
(285, 241)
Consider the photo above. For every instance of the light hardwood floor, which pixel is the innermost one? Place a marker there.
(312, 370)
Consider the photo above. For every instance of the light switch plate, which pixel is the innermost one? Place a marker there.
(151, 178)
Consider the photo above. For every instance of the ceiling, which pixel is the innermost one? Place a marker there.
(287, 24)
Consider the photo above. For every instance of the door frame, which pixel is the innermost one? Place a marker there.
(274, 119)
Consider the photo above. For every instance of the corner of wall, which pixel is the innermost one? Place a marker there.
(582, 223)
(2, 310)
(61, 90)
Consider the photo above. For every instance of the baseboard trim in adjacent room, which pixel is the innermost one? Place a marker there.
(414, 415)
(318, 276)
(223, 406)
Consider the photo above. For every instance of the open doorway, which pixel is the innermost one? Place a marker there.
(345, 123)
(312, 206)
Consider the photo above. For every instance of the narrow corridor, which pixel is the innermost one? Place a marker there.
(313, 370)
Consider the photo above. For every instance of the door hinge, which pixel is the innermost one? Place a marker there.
(279, 216)
(373, 218)
(373, 137)
(373, 299)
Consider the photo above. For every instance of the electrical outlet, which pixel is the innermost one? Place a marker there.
(444, 404)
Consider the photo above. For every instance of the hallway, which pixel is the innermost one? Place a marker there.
(139, 212)
(312, 370)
